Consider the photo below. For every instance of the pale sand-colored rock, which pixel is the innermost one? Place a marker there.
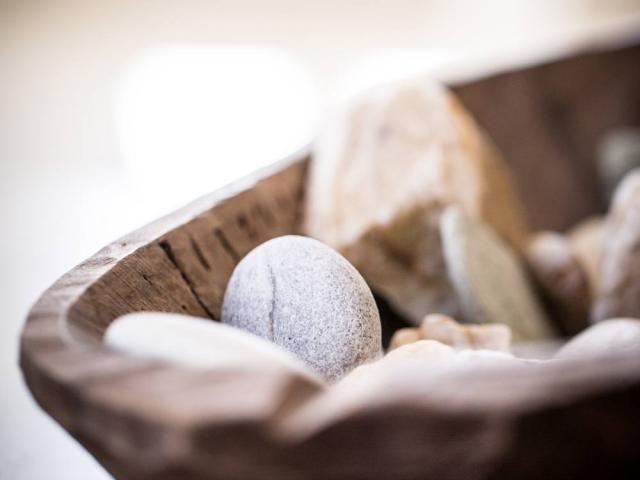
(489, 279)
(404, 336)
(489, 336)
(447, 331)
(586, 241)
(199, 343)
(305, 297)
(382, 172)
(618, 293)
(561, 281)
(612, 336)
(422, 349)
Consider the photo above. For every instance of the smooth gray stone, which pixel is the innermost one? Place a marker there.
(305, 297)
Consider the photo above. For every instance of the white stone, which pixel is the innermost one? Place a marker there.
(426, 359)
(606, 337)
(198, 343)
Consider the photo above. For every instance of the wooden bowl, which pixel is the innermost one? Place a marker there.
(148, 419)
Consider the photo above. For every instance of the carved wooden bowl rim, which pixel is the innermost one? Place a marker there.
(138, 415)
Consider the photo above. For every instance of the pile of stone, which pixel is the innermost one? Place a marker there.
(407, 196)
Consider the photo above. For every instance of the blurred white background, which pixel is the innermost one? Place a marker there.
(113, 113)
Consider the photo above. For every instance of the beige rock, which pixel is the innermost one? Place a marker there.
(586, 241)
(488, 278)
(476, 337)
(447, 331)
(561, 281)
(422, 349)
(403, 337)
(381, 175)
(618, 293)
(607, 337)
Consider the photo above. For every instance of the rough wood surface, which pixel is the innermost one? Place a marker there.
(144, 419)
(548, 121)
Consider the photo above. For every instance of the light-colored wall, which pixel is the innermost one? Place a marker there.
(60, 60)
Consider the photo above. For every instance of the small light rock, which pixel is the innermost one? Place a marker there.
(561, 281)
(607, 337)
(489, 279)
(489, 336)
(426, 358)
(198, 343)
(305, 297)
(422, 349)
(618, 293)
(382, 172)
(447, 331)
(403, 337)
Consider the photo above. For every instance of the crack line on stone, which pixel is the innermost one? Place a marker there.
(272, 279)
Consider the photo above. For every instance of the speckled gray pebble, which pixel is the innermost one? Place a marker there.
(305, 297)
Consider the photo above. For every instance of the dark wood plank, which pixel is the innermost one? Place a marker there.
(548, 119)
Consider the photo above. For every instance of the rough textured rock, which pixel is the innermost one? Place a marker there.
(305, 297)
(489, 336)
(609, 336)
(383, 171)
(586, 241)
(619, 153)
(618, 293)
(561, 281)
(487, 275)
(198, 343)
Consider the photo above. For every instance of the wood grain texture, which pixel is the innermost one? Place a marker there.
(144, 419)
(548, 120)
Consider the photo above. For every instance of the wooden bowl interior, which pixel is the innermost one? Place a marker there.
(146, 419)
(546, 119)
(186, 269)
